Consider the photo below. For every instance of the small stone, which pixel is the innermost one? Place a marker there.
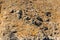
(37, 23)
(47, 20)
(1, 2)
(12, 11)
(54, 32)
(45, 28)
(19, 14)
(46, 38)
(50, 34)
(56, 29)
(12, 36)
(48, 14)
(40, 19)
(14, 32)
(28, 18)
(30, 1)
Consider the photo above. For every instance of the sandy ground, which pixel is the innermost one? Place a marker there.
(29, 19)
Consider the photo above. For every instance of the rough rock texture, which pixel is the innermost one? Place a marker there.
(29, 19)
